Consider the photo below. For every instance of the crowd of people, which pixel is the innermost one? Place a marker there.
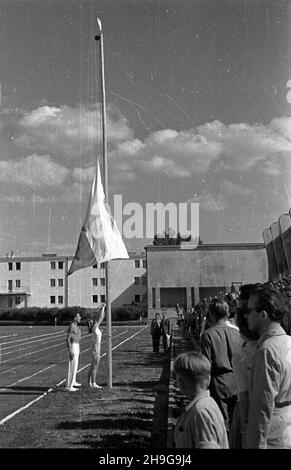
(238, 375)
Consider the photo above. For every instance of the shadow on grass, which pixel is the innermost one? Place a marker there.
(107, 423)
(126, 429)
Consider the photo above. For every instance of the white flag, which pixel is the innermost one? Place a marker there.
(100, 239)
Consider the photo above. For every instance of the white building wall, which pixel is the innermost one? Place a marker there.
(35, 279)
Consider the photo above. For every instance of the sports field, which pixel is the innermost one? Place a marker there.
(36, 411)
(35, 359)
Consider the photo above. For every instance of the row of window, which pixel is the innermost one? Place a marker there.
(17, 266)
(138, 263)
(60, 299)
(60, 282)
(54, 264)
(137, 281)
(60, 264)
(17, 283)
(95, 281)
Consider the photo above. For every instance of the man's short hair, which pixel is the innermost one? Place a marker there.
(272, 301)
(218, 308)
(243, 326)
(246, 290)
(193, 365)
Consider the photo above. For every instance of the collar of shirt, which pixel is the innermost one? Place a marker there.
(198, 397)
(273, 330)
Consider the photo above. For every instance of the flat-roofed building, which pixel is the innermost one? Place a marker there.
(42, 281)
(181, 274)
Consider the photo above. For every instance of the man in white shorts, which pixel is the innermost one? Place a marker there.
(96, 347)
(73, 344)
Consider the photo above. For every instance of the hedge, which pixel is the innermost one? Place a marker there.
(64, 315)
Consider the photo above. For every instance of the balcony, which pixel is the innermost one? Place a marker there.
(24, 290)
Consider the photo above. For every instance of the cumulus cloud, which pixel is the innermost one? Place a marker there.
(245, 145)
(181, 154)
(178, 154)
(34, 170)
(68, 132)
(166, 166)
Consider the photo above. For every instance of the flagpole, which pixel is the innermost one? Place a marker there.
(105, 183)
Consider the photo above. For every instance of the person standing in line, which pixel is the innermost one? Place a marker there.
(218, 344)
(201, 425)
(96, 347)
(166, 334)
(242, 362)
(269, 419)
(156, 332)
(73, 344)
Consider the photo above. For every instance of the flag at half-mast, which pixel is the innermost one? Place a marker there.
(100, 239)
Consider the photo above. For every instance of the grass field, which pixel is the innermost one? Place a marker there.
(133, 414)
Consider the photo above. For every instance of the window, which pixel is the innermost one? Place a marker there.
(136, 280)
(102, 265)
(60, 299)
(60, 282)
(18, 282)
(53, 299)
(10, 266)
(53, 283)
(95, 299)
(53, 265)
(17, 300)
(61, 264)
(137, 263)
(103, 298)
(95, 266)
(143, 281)
(10, 285)
(102, 281)
(18, 266)
(95, 281)
(137, 299)
(144, 263)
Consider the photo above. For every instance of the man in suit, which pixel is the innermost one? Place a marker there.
(166, 335)
(156, 332)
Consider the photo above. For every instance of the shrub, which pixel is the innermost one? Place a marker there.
(128, 313)
(44, 314)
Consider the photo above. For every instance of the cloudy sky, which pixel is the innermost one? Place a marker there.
(197, 111)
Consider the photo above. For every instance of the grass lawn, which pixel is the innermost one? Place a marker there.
(133, 414)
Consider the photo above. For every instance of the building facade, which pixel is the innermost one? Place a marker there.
(43, 282)
(160, 277)
(181, 274)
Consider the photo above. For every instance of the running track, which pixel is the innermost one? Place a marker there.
(34, 359)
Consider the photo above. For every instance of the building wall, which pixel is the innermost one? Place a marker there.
(35, 282)
(207, 266)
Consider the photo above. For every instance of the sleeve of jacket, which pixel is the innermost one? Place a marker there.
(264, 389)
(206, 347)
